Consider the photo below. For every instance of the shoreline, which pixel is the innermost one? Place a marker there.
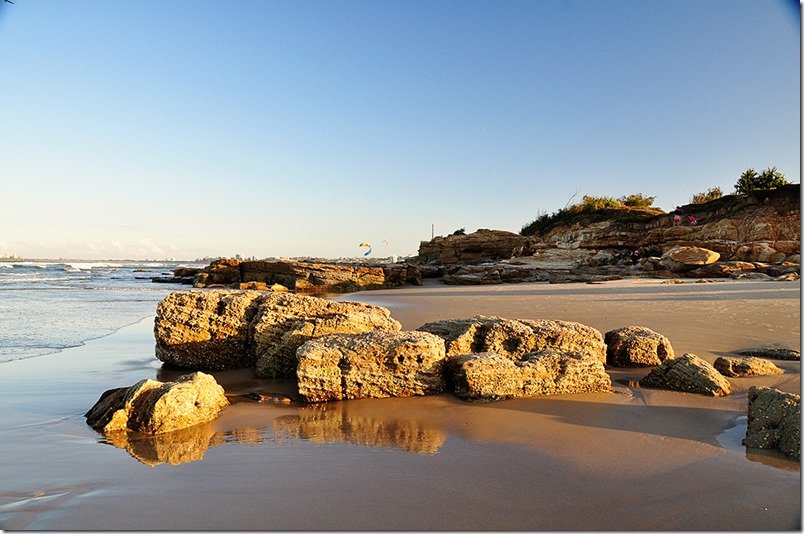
(633, 459)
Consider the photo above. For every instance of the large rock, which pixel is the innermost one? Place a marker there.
(483, 244)
(153, 407)
(375, 364)
(206, 330)
(774, 421)
(487, 376)
(688, 373)
(636, 346)
(682, 259)
(513, 338)
(285, 321)
(308, 277)
(230, 329)
(745, 366)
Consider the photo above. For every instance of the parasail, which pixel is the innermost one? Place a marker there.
(365, 244)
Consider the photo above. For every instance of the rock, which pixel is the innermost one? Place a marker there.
(746, 366)
(259, 286)
(774, 421)
(512, 338)
(750, 276)
(688, 373)
(308, 277)
(790, 277)
(494, 273)
(372, 364)
(761, 251)
(636, 346)
(206, 330)
(774, 353)
(231, 329)
(682, 259)
(721, 269)
(782, 269)
(482, 244)
(793, 258)
(153, 407)
(488, 376)
(285, 321)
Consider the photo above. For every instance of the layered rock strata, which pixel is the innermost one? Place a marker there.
(636, 346)
(153, 407)
(774, 421)
(688, 373)
(374, 364)
(488, 376)
(513, 338)
(230, 329)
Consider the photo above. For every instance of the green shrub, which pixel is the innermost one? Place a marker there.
(750, 181)
(589, 205)
(460, 231)
(711, 194)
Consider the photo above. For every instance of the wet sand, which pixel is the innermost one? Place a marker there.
(632, 459)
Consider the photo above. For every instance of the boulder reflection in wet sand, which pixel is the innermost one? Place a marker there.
(177, 447)
(320, 424)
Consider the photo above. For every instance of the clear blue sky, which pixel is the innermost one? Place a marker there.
(157, 129)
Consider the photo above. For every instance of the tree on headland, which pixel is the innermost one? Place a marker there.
(750, 181)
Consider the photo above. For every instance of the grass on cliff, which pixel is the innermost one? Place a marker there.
(594, 209)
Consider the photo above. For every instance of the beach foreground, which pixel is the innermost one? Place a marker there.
(633, 459)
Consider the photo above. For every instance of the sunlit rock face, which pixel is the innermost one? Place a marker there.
(374, 364)
(228, 329)
(636, 346)
(513, 338)
(153, 407)
(688, 373)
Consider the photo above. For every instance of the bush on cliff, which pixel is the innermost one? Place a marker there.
(750, 181)
(593, 209)
(711, 194)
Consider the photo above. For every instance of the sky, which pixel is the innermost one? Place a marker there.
(177, 129)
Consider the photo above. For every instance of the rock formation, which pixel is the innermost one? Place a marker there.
(636, 346)
(688, 373)
(745, 366)
(512, 338)
(488, 376)
(683, 259)
(230, 329)
(285, 321)
(774, 421)
(307, 277)
(371, 365)
(762, 227)
(153, 407)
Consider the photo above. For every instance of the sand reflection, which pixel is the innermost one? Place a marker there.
(323, 423)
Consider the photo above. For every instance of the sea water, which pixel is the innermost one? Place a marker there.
(47, 306)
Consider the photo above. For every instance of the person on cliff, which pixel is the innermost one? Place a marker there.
(677, 213)
(692, 220)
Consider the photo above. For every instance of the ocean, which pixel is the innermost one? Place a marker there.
(47, 306)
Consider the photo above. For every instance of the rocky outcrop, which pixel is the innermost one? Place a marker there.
(688, 373)
(513, 338)
(682, 259)
(774, 421)
(636, 346)
(230, 329)
(285, 321)
(488, 376)
(308, 277)
(745, 366)
(483, 244)
(153, 407)
(764, 226)
(371, 365)
(206, 330)
(774, 353)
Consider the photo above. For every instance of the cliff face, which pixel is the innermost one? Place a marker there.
(762, 227)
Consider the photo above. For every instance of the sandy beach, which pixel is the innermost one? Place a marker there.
(632, 459)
